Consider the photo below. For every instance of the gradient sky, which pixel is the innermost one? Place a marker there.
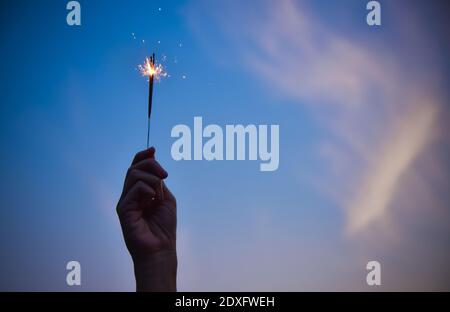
(364, 146)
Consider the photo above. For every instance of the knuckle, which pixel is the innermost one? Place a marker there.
(129, 171)
(140, 185)
(132, 172)
(118, 210)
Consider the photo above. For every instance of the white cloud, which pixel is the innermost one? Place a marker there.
(383, 177)
(379, 118)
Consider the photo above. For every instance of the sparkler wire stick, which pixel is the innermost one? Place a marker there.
(152, 71)
(150, 97)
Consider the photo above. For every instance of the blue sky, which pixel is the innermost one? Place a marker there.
(363, 117)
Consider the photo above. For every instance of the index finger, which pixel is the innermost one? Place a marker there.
(152, 166)
(148, 153)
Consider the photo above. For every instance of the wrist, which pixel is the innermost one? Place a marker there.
(156, 271)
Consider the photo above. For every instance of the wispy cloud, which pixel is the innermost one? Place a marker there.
(379, 117)
(404, 142)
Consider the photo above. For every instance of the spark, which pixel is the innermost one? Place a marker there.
(149, 69)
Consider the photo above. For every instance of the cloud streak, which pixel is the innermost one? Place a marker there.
(395, 157)
(379, 118)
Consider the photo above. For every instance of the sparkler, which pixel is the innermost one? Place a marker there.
(152, 71)
(150, 96)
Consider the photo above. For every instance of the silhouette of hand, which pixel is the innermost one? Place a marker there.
(147, 214)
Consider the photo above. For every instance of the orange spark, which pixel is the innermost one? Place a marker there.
(149, 69)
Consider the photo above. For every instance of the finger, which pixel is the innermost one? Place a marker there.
(139, 191)
(150, 165)
(168, 194)
(153, 181)
(148, 153)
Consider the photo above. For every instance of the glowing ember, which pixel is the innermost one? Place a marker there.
(149, 69)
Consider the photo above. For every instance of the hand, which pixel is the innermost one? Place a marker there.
(147, 213)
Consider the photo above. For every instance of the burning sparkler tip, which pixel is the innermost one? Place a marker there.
(151, 69)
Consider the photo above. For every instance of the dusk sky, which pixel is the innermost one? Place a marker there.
(363, 113)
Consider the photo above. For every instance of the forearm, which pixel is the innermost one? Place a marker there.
(156, 272)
